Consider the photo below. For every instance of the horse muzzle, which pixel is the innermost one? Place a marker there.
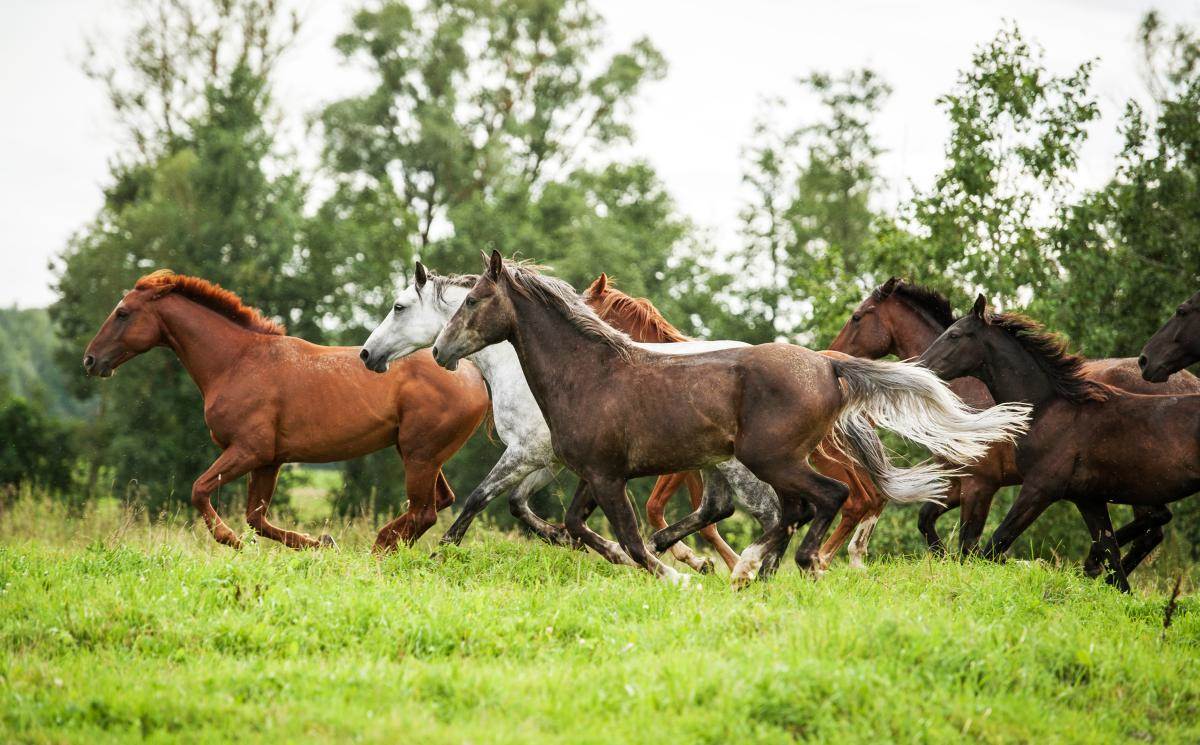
(374, 363)
(446, 360)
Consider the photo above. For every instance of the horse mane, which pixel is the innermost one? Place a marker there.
(211, 296)
(919, 296)
(638, 313)
(440, 283)
(563, 298)
(1049, 350)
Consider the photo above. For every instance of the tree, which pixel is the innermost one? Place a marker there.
(193, 194)
(810, 224)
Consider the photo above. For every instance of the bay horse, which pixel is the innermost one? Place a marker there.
(1089, 443)
(528, 463)
(1174, 346)
(271, 399)
(645, 323)
(902, 319)
(769, 406)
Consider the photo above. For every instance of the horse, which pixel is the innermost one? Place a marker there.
(1174, 346)
(271, 399)
(528, 463)
(1089, 443)
(617, 411)
(901, 318)
(644, 323)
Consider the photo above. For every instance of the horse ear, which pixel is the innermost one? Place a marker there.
(980, 307)
(422, 276)
(495, 265)
(888, 286)
(599, 286)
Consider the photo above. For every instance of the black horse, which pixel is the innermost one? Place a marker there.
(1089, 443)
(1174, 346)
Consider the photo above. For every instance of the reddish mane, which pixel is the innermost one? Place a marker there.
(211, 296)
(637, 316)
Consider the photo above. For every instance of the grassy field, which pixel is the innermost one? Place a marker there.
(114, 629)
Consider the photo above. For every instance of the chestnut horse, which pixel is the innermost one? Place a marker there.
(271, 399)
(902, 319)
(644, 323)
(1089, 443)
(617, 411)
(1174, 346)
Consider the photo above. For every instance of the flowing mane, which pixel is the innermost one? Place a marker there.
(639, 313)
(919, 296)
(440, 283)
(560, 296)
(211, 296)
(1049, 350)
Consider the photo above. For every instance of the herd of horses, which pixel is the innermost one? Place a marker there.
(602, 384)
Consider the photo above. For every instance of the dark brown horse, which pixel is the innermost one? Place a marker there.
(1090, 444)
(644, 323)
(1174, 346)
(617, 411)
(902, 319)
(271, 399)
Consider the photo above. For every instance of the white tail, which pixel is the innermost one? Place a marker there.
(914, 403)
(924, 482)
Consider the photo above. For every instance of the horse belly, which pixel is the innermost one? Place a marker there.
(1140, 464)
(689, 424)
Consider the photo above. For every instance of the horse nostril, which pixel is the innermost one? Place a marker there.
(435, 353)
(1142, 362)
(364, 355)
(88, 362)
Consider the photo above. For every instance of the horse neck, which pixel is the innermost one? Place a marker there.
(912, 331)
(1013, 375)
(206, 342)
(553, 353)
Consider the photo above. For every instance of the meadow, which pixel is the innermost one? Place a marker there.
(114, 627)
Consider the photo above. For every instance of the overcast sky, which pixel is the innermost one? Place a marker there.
(56, 134)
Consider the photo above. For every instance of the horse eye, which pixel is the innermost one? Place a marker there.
(472, 301)
(1181, 311)
(122, 313)
(398, 308)
(955, 335)
(856, 318)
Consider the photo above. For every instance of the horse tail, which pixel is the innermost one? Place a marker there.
(914, 403)
(924, 482)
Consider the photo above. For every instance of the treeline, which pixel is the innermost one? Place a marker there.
(495, 124)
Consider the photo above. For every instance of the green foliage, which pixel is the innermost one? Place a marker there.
(35, 449)
(161, 634)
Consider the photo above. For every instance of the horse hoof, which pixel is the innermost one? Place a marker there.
(741, 582)
(1092, 571)
(705, 566)
(326, 541)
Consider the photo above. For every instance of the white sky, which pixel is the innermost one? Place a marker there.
(56, 134)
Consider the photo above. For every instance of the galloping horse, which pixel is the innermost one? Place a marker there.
(1089, 443)
(769, 406)
(528, 462)
(644, 323)
(902, 319)
(271, 399)
(1174, 346)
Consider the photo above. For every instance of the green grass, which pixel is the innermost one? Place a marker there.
(114, 629)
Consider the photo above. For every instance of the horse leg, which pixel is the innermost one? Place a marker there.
(420, 484)
(1027, 507)
(1095, 515)
(443, 493)
(518, 507)
(716, 503)
(510, 470)
(610, 494)
(761, 558)
(664, 488)
(1145, 531)
(976, 497)
(229, 466)
(862, 537)
(709, 533)
(262, 488)
(931, 511)
(582, 505)
(827, 496)
(760, 500)
(1156, 518)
